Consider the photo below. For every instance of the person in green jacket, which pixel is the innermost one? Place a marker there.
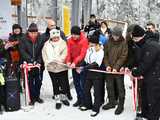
(115, 55)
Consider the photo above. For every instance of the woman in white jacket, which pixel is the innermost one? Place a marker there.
(54, 53)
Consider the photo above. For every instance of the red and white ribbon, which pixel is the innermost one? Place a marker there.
(27, 67)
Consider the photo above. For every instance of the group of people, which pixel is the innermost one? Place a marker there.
(102, 49)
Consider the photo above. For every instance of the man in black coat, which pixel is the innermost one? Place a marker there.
(31, 52)
(147, 64)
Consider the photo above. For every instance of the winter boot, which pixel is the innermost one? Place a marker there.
(119, 110)
(53, 97)
(32, 102)
(58, 102)
(39, 100)
(120, 107)
(77, 103)
(0, 110)
(69, 96)
(109, 105)
(64, 100)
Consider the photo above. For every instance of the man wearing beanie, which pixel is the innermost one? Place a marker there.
(147, 64)
(77, 47)
(30, 49)
(54, 53)
(116, 51)
(12, 47)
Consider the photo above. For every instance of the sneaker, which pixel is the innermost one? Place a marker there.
(77, 103)
(58, 105)
(39, 100)
(108, 106)
(65, 102)
(83, 108)
(94, 113)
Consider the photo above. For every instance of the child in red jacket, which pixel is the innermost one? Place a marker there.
(77, 46)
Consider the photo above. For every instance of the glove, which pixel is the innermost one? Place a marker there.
(136, 72)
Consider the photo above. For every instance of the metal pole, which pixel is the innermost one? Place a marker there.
(75, 12)
(26, 13)
(54, 13)
(19, 14)
(87, 10)
(90, 6)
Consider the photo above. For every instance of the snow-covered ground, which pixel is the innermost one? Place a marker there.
(47, 111)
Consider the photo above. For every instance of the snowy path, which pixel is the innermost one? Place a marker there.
(47, 110)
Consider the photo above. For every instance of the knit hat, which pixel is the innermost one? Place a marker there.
(130, 28)
(75, 30)
(33, 27)
(16, 26)
(138, 31)
(54, 33)
(117, 31)
(94, 39)
(92, 16)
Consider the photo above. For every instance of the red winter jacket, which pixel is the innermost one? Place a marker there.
(76, 49)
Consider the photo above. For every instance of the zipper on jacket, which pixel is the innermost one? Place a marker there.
(33, 52)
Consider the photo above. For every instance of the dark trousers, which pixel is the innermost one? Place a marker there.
(150, 101)
(97, 85)
(2, 96)
(59, 81)
(103, 89)
(115, 88)
(35, 83)
(79, 81)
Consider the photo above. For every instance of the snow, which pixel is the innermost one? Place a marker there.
(47, 111)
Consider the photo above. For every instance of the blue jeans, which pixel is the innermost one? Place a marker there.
(35, 83)
(79, 81)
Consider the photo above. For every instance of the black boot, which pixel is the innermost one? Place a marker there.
(32, 102)
(69, 96)
(53, 97)
(109, 105)
(39, 100)
(58, 102)
(119, 110)
(58, 105)
(77, 103)
(65, 102)
(0, 110)
(120, 107)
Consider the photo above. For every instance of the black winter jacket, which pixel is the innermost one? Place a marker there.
(147, 60)
(31, 52)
